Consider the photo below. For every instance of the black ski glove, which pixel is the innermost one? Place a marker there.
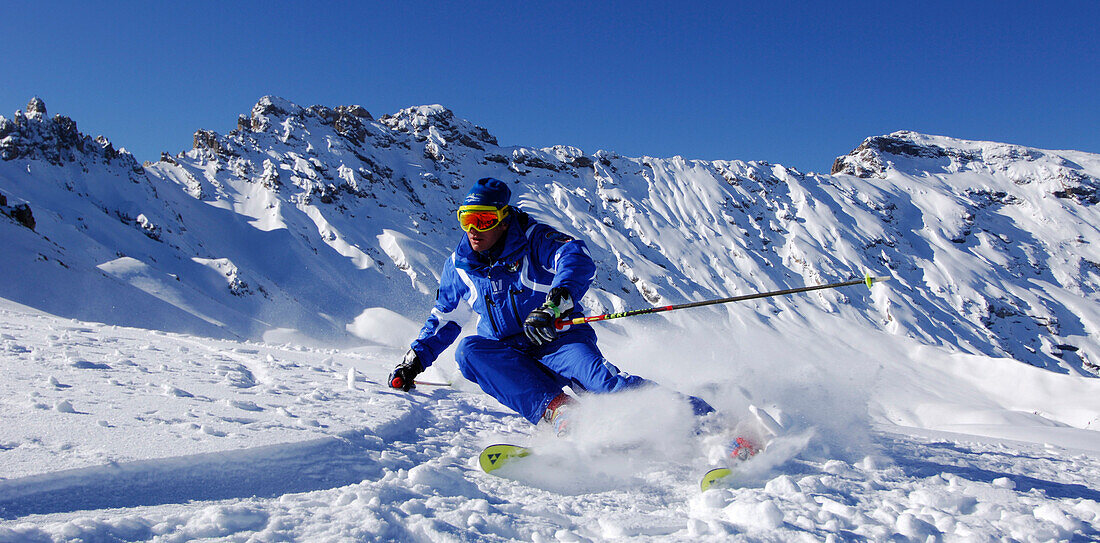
(539, 326)
(405, 372)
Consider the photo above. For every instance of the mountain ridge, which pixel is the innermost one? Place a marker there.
(940, 154)
(991, 244)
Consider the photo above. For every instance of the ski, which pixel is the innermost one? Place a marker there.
(714, 476)
(501, 454)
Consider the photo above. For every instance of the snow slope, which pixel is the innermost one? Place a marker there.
(195, 349)
(126, 434)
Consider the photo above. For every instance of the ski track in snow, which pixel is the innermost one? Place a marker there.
(266, 442)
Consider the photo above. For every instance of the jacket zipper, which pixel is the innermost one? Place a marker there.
(515, 307)
(489, 310)
(489, 301)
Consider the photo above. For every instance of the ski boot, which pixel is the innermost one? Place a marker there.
(557, 414)
(742, 448)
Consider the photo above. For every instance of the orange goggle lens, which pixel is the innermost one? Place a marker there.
(480, 218)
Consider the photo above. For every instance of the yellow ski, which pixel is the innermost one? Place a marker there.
(495, 456)
(714, 476)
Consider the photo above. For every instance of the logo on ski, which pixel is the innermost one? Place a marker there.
(495, 456)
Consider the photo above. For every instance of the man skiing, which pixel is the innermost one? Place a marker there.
(518, 276)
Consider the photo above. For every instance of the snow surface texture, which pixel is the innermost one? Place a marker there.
(197, 348)
(125, 434)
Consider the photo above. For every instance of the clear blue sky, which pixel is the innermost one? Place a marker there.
(796, 83)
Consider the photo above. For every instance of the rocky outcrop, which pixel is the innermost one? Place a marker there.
(423, 122)
(871, 158)
(20, 213)
(36, 107)
(918, 154)
(208, 139)
(274, 146)
(56, 140)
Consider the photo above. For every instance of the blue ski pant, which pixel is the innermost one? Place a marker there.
(525, 377)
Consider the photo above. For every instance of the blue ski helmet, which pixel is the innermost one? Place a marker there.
(488, 191)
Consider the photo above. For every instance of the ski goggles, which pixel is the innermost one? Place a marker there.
(481, 218)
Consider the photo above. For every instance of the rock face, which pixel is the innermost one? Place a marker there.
(20, 213)
(873, 156)
(36, 107)
(436, 121)
(32, 135)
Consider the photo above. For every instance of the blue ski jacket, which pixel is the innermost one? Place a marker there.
(503, 285)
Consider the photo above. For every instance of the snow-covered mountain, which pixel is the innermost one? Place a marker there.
(300, 220)
(196, 348)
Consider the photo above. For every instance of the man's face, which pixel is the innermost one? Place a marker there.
(483, 241)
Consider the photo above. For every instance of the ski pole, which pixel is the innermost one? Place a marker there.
(562, 323)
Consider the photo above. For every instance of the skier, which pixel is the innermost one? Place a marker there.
(518, 276)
